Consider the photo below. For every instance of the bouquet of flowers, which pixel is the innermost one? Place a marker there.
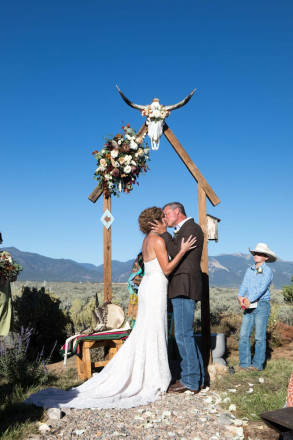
(8, 267)
(121, 161)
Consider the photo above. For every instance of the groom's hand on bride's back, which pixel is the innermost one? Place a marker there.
(159, 227)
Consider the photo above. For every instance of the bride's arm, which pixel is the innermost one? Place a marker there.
(162, 255)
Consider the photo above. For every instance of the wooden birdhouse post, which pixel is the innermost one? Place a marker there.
(157, 127)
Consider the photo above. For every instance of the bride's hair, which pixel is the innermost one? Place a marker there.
(148, 215)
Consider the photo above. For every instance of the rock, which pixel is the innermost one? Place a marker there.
(225, 419)
(55, 414)
(238, 422)
(44, 427)
(216, 370)
(232, 407)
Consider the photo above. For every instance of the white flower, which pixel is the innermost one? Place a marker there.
(133, 162)
(127, 159)
(120, 142)
(102, 151)
(108, 176)
(114, 153)
(146, 150)
(127, 169)
(127, 136)
(133, 145)
(156, 113)
(100, 168)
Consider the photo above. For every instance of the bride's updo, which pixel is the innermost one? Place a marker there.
(148, 215)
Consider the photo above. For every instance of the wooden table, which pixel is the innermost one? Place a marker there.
(84, 364)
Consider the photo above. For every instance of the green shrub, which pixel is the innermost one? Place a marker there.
(41, 311)
(285, 314)
(15, 366)
(287, 292)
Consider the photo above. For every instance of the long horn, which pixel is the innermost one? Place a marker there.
(181, 103)
(131, 104)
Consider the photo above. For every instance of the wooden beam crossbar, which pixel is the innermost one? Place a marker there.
(213, 198)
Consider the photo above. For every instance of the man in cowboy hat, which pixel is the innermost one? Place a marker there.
(254, 298)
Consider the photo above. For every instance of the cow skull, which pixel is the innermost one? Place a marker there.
(156, 114)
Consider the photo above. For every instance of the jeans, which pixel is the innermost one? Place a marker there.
(257, 318)
(192, 374)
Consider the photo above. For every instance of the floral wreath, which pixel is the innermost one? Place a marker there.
(155, 112)
(9, 268)
(121, 161)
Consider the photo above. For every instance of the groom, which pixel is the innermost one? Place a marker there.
(185, 289)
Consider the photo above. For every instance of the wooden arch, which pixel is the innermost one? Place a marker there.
(203, 191)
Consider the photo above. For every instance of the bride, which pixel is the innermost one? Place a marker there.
(139, 373)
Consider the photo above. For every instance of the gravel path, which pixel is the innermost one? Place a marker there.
(184, 416)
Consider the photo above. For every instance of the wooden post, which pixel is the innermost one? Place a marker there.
(205, 304)
(107, 254)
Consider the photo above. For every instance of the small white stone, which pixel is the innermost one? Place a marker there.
(232, 407)
(208, 400)
(239, 432)
(79, 431)
(149, 414)
(250, 391)
(213, 411)
(238, 422)
(166, 414)
(227, 400)
(232, 390)
(44, 427)
(261, 380)
(119, 434)
(140, 411)
(138, 418)
(188, 392)
(171, 434)
(148, 425)
(203, 419)
(251, 384)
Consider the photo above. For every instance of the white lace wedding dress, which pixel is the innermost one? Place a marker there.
(139, 372)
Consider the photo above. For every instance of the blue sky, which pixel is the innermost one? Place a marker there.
(60, 63)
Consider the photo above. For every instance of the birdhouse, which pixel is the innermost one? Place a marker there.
(212, 227)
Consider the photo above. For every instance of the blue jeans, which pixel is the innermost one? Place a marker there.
(192, 374)
(257, 318)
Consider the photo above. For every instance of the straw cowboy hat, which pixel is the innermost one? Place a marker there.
(263, 248)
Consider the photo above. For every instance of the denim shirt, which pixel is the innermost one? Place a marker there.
(255, 286)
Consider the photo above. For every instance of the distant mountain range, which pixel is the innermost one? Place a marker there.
(224, 270)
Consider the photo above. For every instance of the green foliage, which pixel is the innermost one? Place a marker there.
(41, 311)
(15, 366)
(285, 314)
(81, 314)
(287, 292)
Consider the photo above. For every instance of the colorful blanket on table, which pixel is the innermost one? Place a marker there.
(72, 346)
